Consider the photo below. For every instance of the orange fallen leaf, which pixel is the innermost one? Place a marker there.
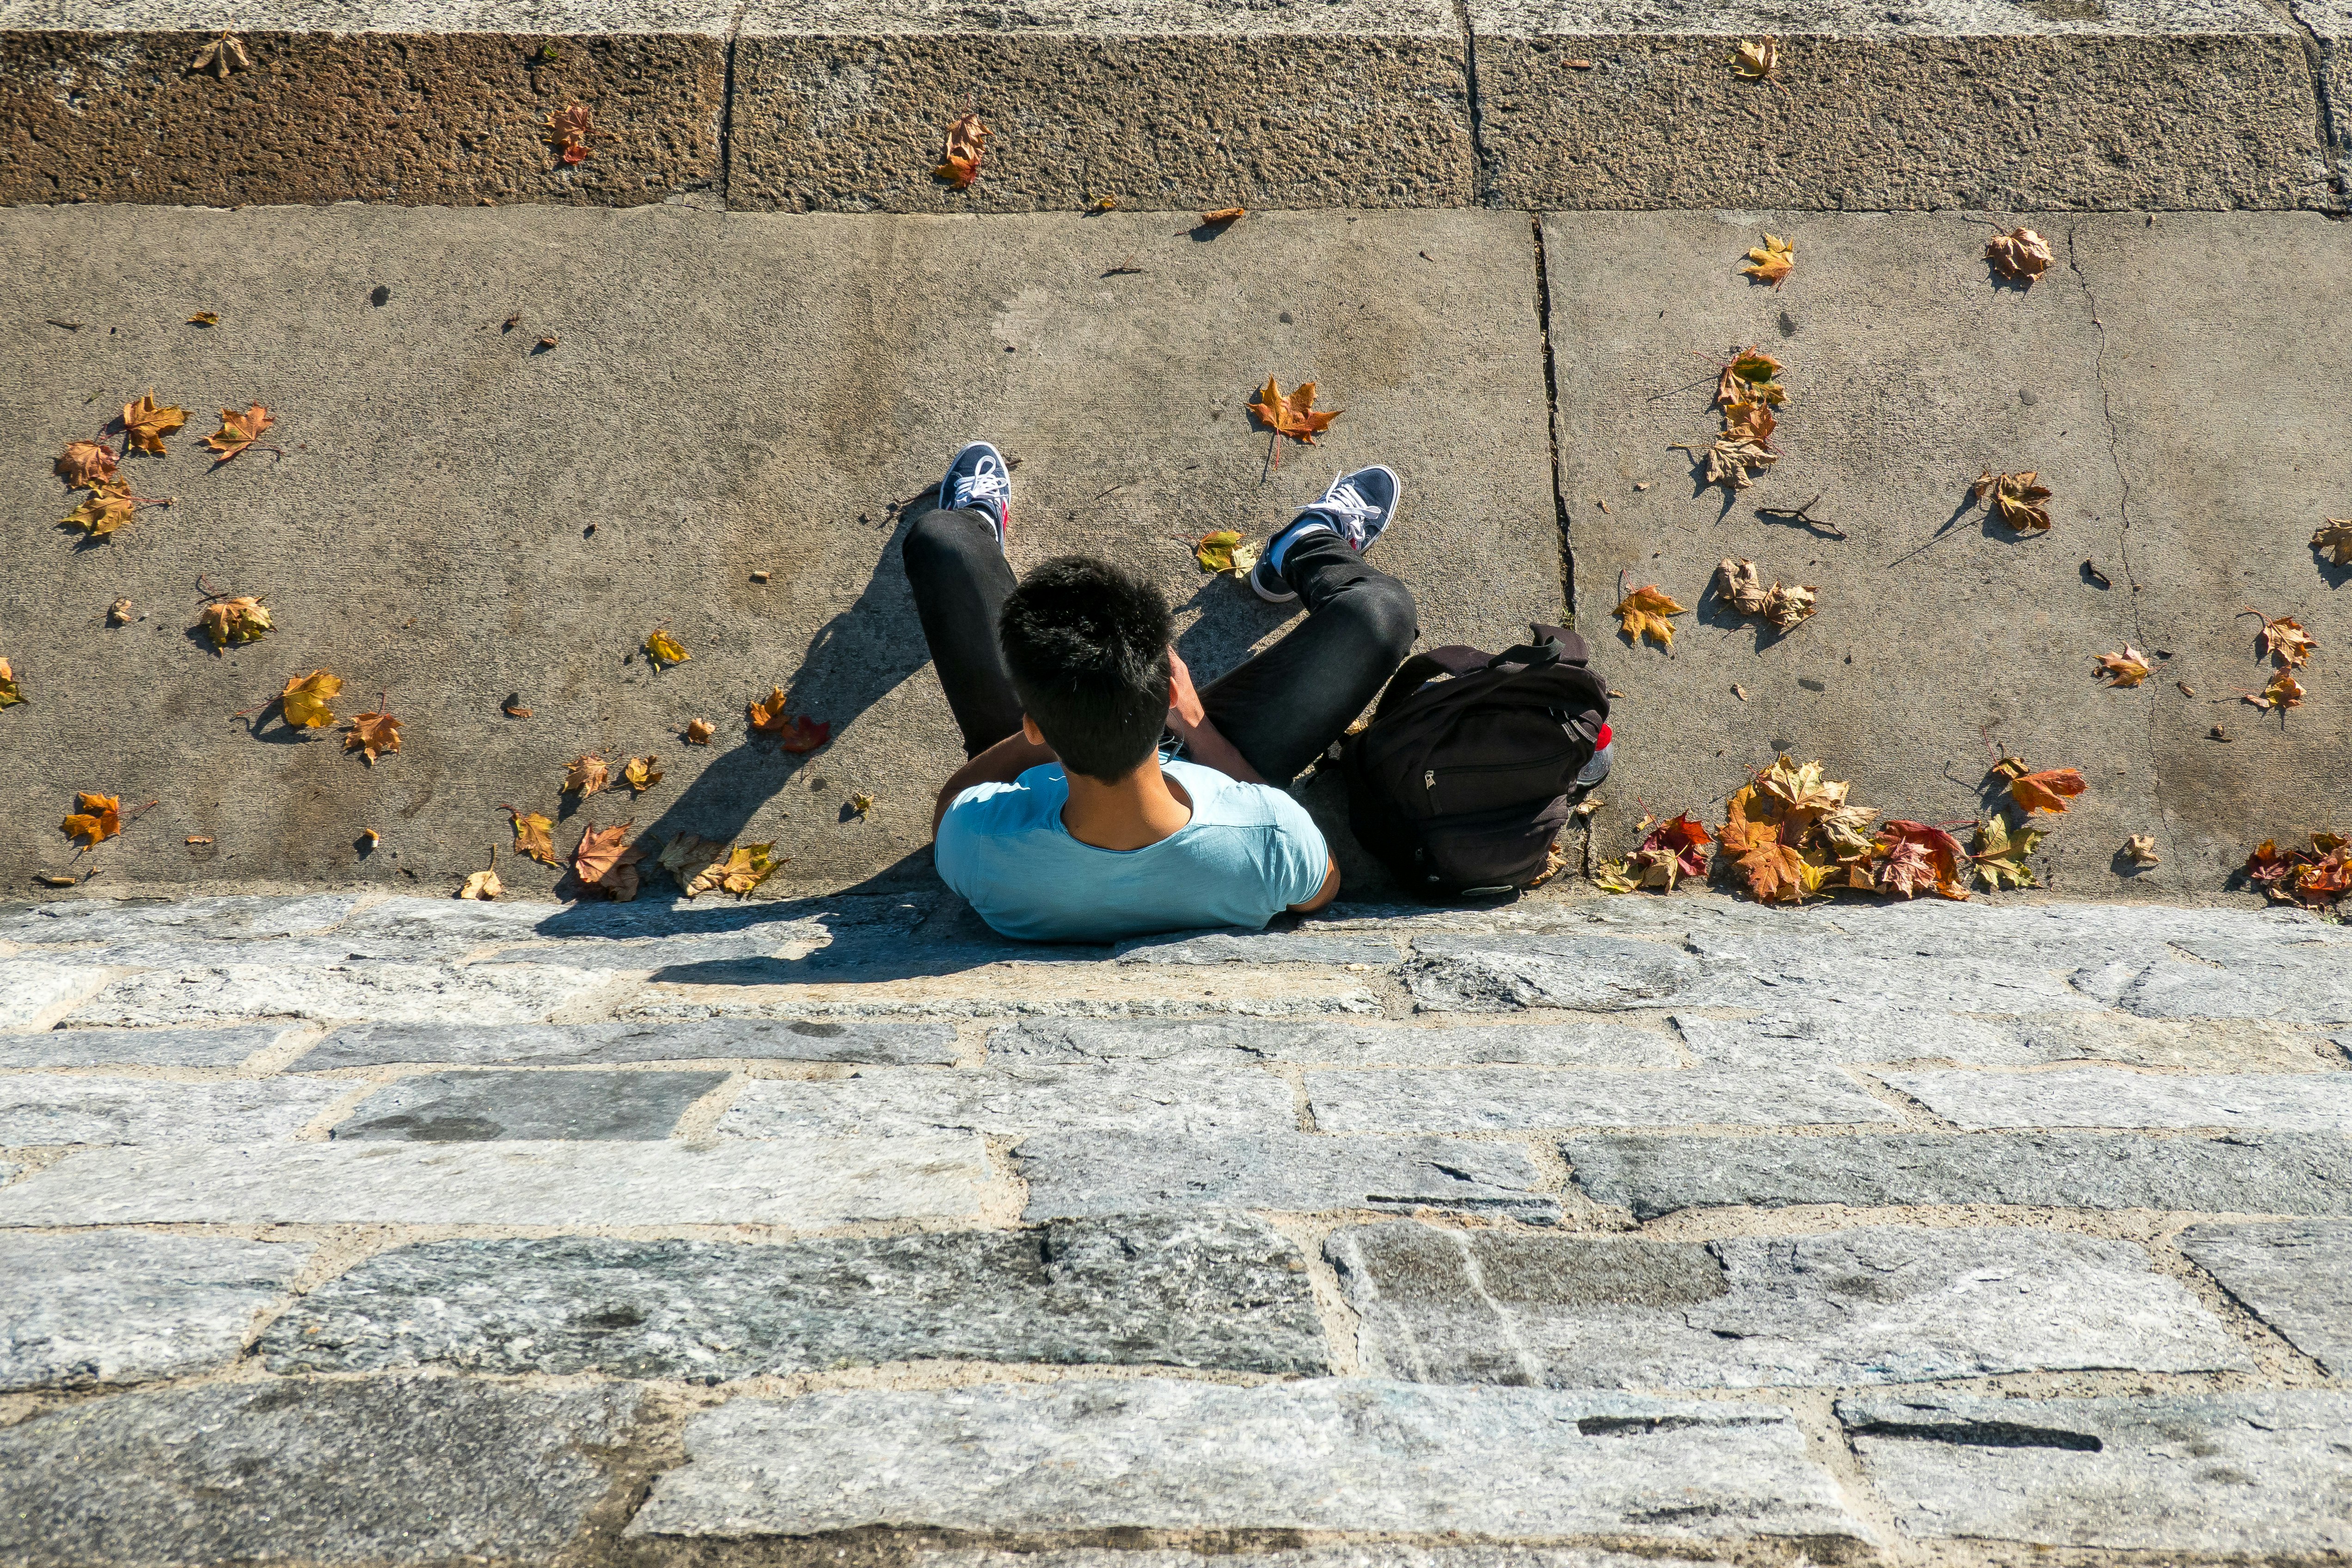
(513, 709)
(2283, 692)
(568, 133)
(959, 163)
(2048, 790)
(801, 734)
(2284, 640)
(1642, 612)
(1772, 261)
(2128, 667)
(2020, 253)
(586, 776)
(373, 734)
(1295, 415)
(1225, 215)
(86, 465)
(240, 620)
(238, 431)
(9, 695)
(1918, 854)
(531, 834)
(697, 733)
(145, 423)
(96, 818)
(601, 862)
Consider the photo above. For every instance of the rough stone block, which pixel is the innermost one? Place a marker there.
(841, 105)
(1153, 1100)
(1876, 1304)
(575, 1045)
(1484, 1099)
(2296, 1278)
(1481, 972)
(445, 107)
(111, 1307)
(1370, 949)
(1382, 1555)
(2312, 989)
(29, 988)
(481, 1107)
(1977, 105)
(1208, 1291)
(814, 1182)
(86, 1108)
(1090, 1173)
(394, 993)
(2258, 1471)
(392, 1470)
(218, 918)
(1878, 964)
(1213, 1040)
(2211, 1045)
(2109, 1097)
(1354, 1455)
(1822, 1036)
(137, 1047)
(2279, 1173)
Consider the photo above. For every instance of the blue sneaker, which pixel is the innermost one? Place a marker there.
(978, 480)
(1357, 508)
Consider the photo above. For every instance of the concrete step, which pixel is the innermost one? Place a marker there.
(840, 105)
(944, 1246)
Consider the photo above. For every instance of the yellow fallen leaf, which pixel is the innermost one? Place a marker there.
(2333, 539)
(1225, 551)
(104, 509)
(2128, 667)
(863, 805)
(1755, 58)
(586, 776)
(663, 650)
(1642, 612)
(745, 868)
(146, 422)
(9, 695)
(531, 834)
(205, 319)
(482, 885)
(226, 621)
(1772, 261)
(640, 774)
(304, 701)
(96, 818)
(2016, 499)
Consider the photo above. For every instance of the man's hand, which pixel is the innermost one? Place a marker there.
(1202, 738)
(1185, 713)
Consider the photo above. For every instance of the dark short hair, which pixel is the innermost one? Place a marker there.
(1087, 646)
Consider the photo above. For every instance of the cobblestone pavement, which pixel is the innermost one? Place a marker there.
(348, 1229)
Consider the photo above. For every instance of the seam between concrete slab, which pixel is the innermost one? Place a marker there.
(727, 112)
(2315, 58)
(1481, 173)
(1552, 416)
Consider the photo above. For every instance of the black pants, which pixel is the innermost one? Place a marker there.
(1280, 709)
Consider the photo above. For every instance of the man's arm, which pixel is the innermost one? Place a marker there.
(1001, 764)
(1330, 892)
(1204, 742)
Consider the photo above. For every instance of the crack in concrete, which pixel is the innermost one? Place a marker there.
(2123, 480)
(1552, 423)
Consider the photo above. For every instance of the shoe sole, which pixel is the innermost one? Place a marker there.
(939, 497)
(1289, 595)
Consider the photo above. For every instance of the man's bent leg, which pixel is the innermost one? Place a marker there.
(1284, 707)
(961, 580)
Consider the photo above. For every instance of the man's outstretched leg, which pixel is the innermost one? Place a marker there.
(956, 564)
(1284, 707)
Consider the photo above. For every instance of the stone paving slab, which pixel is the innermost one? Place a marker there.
(1370, 949)
(120, 1307)
(1080, 1173)
(2295, 1278)
(481, 1107)
(1967, 104)
(1487, 1100)
(1878, 1304)
(813, 1181)
(1152, 1102)
(2110, 1097)
(30, 989)
(1356, 1456)
(1305, 1040)
(2257, 1471)
(1824, 1035)
(2312, 992)
(2239, 1173)
(582, 1044)
(1206, 1291)
(220, 917)
(1384, 1554)
(392, 1470)
(394, 993)
(138, 1047)
(39, 1109)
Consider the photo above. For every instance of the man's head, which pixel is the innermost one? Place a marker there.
(1087, 646)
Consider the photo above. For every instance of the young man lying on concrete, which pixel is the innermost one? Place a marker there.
(1066, 824)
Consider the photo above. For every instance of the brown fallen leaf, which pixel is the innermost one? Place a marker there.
(697, 733)
(2045, 791)
(205, 319)
(2128, 667)
(373, 734)
(2016, 499)
(118, 614)
(1750, 376)
(2140, 849)
(512, 706)
(145, 423)
(304, 701)
(531, 834)
(1739, 691)
(238, 431)
(2021, 255)
(2284, 640)
(1225, 551)
(86, 465)
(96, 818)
(1731, 457)
(9, 695)
(222, 56)
(600, 861)
(2283, 693)
(687, 855)
(1756, 58)
(1642, 612)
(103, 510)
(1786, 608)
(1772, 261)
(744, 867)
(662, 650)
(1295, 415)
(1226, 215)
(240, 620)
(960, 163)
(640, 774)
(585, 775)
(568, 132)
(2185, 689)
(1750, 421)
(484, 884)
(544, 345)
(801, 734)
(2333, 539)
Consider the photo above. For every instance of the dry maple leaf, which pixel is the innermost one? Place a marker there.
(1786, 608)
(103, 510)
(1755, 58)
(585, 775)
(373, 734)
(1741, 582)
(2284, 640)
(2128, 667)
(600, 861)
(960, 163)
(863, 805)
(1729, 458)
(1750, 376)
(2283, 692)
(1672, 851)
(304, 701)
(96, 818)
(238, 431)
(1225, 551)
(1751, 420)
(2020, 253)
(205, 319)
(531, 834)
(2016, 499)
(220, 57)
(118, 614)
(744, 867)
(1225, 215)
(802, 734)
(228, 621)
(1919, 854)
(687, 855)
(2333, 541)
(663, 650)
(1772, 261)
(484, 884)
(568, 133)
(86, 465)
(2140, 849)
(1295, 415)
(145, 423)
(9, 695)
(640, 774)
(2000, 854)
(699, 732)
(1642, 612)
(2048, 790)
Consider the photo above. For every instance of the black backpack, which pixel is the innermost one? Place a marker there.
(1461, 784)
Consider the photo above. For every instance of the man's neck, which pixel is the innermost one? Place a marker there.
(1133, 813)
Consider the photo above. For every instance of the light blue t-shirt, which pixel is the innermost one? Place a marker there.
(1249, 853)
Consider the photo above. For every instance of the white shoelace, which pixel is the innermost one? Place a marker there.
(1346, 505)
(985, 484)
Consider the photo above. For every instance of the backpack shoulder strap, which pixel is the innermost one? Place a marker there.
(1423, 667)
